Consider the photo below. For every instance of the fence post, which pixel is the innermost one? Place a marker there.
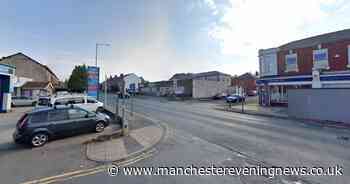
(117, 107)
(125, 126)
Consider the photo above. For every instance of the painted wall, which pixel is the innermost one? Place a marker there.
(319, 104)
(207, 89)
(132, 80)
(268, 62)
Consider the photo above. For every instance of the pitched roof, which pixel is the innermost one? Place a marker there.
(182, 76)
(20, 53)
(316, 40)
(246, 76)
(35, 85)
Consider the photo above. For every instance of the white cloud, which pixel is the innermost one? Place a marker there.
(251, 25)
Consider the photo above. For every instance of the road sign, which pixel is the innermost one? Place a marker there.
(93, 81)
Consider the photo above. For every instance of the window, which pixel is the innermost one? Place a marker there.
(76, 100)
(89, 100)
(320, 59)
(61, 101)
(291, 62)
(76, 113)
(39, 117)
(58, 115)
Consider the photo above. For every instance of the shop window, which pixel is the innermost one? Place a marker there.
(320, 58)
(291, 62)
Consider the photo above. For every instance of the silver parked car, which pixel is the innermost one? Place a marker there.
(23, 101)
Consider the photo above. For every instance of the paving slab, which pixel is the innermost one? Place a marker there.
(119, 148)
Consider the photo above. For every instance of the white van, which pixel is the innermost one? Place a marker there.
(85, 102)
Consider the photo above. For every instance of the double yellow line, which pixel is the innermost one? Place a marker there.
(91, 171)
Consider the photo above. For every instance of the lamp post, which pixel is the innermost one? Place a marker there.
(97, 45)
(96, 53)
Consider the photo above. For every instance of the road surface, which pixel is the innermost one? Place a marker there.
(201, 135)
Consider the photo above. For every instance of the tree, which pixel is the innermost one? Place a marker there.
(77, 81)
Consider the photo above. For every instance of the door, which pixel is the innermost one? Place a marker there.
(81, 120)
(60, 124)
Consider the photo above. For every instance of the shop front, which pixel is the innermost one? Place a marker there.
(6, 86)
(274, 90)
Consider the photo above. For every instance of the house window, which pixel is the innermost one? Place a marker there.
(321, 59)
(291, 62)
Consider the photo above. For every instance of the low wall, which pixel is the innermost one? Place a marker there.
(320, 104)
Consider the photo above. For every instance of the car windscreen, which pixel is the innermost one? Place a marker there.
(44, 101)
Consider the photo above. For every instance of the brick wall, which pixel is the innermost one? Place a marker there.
(337, 58)
(29, 69)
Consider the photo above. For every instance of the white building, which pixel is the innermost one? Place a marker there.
(131, 83)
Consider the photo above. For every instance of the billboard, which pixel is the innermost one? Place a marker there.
(93, 81)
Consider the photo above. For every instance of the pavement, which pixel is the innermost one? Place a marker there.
(142, 136)
(251, 107)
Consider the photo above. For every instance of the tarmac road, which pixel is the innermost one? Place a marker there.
(203, 135)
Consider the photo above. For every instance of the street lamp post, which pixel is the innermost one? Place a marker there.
(96, 53)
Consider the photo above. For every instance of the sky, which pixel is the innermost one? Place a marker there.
(158, 38)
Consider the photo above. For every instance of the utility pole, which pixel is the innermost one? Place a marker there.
(96, 54)
(96, 50)
(106, 90)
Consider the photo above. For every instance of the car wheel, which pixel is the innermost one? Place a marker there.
(100, 127)
(39, 139)
(34, 104)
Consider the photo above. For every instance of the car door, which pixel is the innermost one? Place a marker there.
(21, 101)
(91, 104)
(60, 124)
(83, 122)
(27, 101)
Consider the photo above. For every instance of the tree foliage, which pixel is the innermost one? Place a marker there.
(77, 81)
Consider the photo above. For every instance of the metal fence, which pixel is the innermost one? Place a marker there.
(121, 108)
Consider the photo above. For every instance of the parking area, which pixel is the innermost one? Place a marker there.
(57, 156)
(7, 126)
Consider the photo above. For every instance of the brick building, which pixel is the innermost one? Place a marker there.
(246, 81)
(29, 70)
(321, 61)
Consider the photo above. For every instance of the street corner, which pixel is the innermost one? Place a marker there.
(144, 135)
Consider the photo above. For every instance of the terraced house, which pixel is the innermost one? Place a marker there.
(321, 61)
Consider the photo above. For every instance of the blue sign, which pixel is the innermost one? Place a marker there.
(291, 60)
(321, 56)
(93, 81)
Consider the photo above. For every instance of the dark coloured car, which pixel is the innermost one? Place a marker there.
(43, 124)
